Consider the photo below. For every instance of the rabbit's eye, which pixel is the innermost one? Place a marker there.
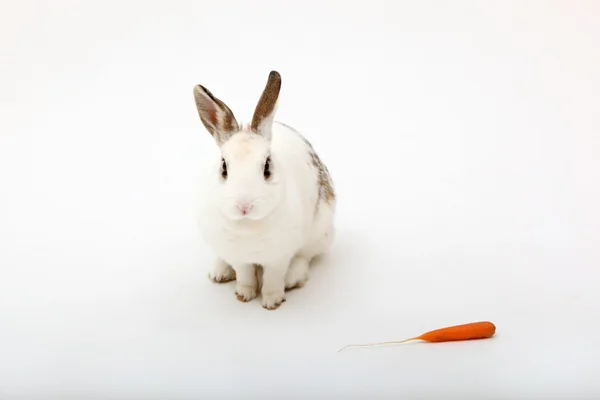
(266, 170)
(224, 169)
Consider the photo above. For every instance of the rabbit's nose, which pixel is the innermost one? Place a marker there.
(244, 207)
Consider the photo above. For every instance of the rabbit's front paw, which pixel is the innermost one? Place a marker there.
(245, 293)
(246, 287)
(272, 300)
(297, 274)
(221, 272)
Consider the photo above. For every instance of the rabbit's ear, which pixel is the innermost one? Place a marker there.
(215, 115)
(264, 113)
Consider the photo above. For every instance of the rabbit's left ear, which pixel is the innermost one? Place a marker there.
(217, 118)
(264, 113)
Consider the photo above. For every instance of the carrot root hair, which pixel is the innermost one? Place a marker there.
(379, 343)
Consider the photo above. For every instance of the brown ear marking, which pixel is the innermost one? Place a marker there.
(216, 117)
(268, 100)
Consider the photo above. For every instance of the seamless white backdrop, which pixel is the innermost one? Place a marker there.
(463, 138)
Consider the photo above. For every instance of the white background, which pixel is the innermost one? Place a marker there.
(464, 141)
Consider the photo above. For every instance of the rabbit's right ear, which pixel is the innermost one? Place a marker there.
(215, 115)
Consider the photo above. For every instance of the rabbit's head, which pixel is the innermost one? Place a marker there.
(247, 182)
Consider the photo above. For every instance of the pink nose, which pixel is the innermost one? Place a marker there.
(244, 207)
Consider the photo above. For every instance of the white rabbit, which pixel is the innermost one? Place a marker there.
(268, 204)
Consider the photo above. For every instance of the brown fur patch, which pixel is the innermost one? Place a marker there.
(326, 191)
(325, 183)
(258, 273)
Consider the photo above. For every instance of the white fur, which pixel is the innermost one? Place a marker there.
(287, 226)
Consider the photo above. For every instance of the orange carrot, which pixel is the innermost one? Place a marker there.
(472, 331)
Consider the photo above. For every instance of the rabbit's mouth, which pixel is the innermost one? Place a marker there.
(250, 213)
